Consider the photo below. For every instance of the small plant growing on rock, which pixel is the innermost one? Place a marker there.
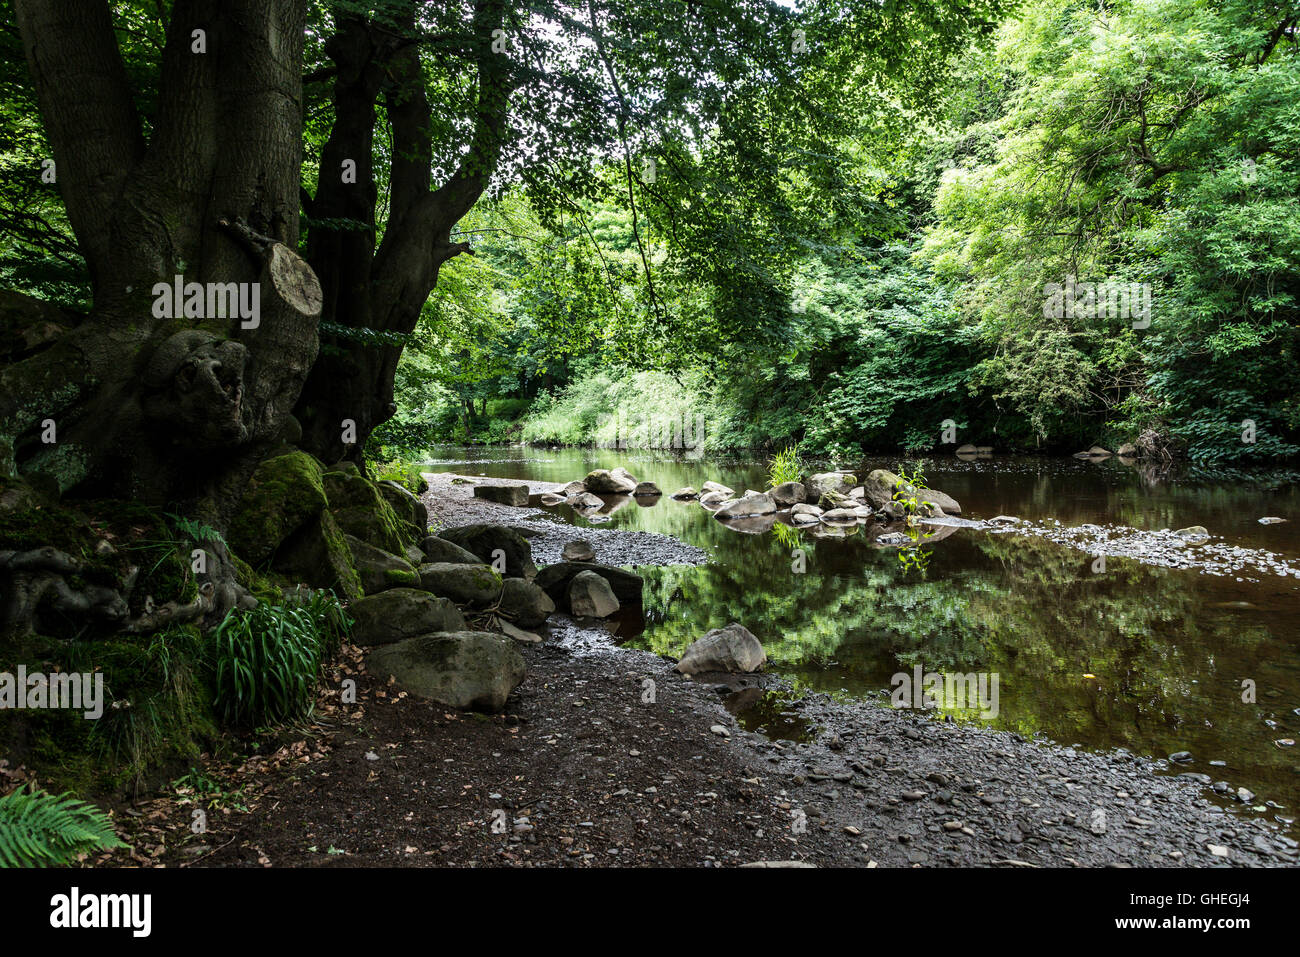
(786, 466)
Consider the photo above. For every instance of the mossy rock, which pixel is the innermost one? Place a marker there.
(284, 494)
(380, 570)
(363, 512)
(407, 505)
(263, 585)
(464, 584)
(401, 613)
(318, 555)
(463, 669)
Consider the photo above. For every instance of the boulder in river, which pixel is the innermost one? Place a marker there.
(516, 495)
(713, 500)
(789, 493)
(833, 499)
(732, 649)
(748, 507)
(605, 482)
(1192, 533)
(401, 613)
(708, 487)
(839, 516)
(461, 669)
(966, 449)
(590, 596)
(490, 542)
(1271, 520)
(586, 500)
(804, 514)
(685, 494)
(573, 488)
(881, 484)
(550, 498)
(646, 489)
(820, 483)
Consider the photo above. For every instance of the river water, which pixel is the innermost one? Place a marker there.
(1100, 655)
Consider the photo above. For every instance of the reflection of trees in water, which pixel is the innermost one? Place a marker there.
(1026, 608)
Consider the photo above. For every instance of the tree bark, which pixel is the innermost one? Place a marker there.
(384, 289)
(169, 411)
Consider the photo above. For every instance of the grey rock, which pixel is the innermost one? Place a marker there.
(590, 596)
(486, 540)
(732, 649)
(380, 570)
(554, 580)
(463, 584)
(401, 613)
(820, 483)
(462, 669)
(748, 507)
(525, 603)
(440, 550)
(605, 482)
(578, 551)
(789, 493)
(516, 495)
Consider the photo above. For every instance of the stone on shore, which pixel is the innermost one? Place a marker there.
(401, 613)
(578, 551)
(590, 596)
(462, 669)
(732, 649)
(516, 495)
(463, 584)
(490, 542)
(525, 603)
(554, 580)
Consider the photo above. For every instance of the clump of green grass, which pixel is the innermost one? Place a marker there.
(785, 466)
(266, 661)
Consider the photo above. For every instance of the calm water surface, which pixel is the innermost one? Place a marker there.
(1147, 658)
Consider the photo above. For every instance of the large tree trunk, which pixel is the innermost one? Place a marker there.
(169, 411)
(382, 290)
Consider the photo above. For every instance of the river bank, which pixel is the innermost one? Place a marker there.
(586, 768)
